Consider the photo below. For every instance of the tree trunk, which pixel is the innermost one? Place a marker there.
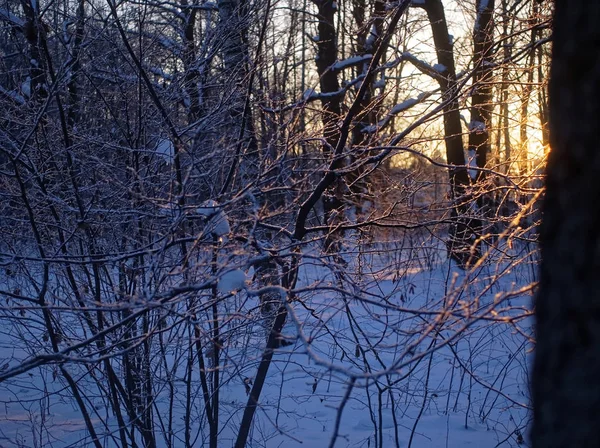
(482, 95)
(327, 52)
(460, 236)
(566, 374)
(526, 96)
(34, 33)
(368, 40)
(481, 107)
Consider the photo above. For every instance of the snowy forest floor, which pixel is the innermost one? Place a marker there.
(400, 348)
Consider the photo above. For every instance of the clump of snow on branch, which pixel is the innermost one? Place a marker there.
(166, 150)
(309, 93)
(26, 87)
(350, 62)
(370, 42)
(406, 104)
(11, 18)
(13, 95)
(232, 281)
(217, 225)
(472, 162)
(379, 84)
(398, 108)
(476, 126)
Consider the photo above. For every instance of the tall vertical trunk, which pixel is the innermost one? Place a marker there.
(504, 114)
(327, 52)
(233, 26)
(542, 97)
(34, 30)
(192, 75)
(566, 373)
(482, 105)
(460, 233)
(74, 105)
(326, 57)
(482, 92)
(368, 40)
(526, 95)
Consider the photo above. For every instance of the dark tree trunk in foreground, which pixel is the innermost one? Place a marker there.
(566, 375)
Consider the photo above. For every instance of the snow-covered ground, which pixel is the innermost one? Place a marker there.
(400, 348)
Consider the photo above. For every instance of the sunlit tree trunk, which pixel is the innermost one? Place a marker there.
(504, 131)
(526, 95)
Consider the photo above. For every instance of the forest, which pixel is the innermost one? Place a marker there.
(266, 223)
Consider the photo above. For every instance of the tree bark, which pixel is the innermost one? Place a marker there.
(566, 374)
(368, 40)
(482, 95)
(327, 53)
(482, 106)
(460, 236)
(526, 96)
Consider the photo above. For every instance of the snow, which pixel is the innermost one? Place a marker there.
(371, 38)
(350, 62)
(26, 87)
(13, 95)
(406, 104)
(422, 65)
(472, 162)
(437, 357)
(218, 224)
(10, 17)
(232, 281)
(451, 382)
(476, 126)
(308, 94)
(166, 150)
(398, 108)
(379, 84)
(208, 209)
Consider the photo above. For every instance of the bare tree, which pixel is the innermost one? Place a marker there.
(179, 252)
